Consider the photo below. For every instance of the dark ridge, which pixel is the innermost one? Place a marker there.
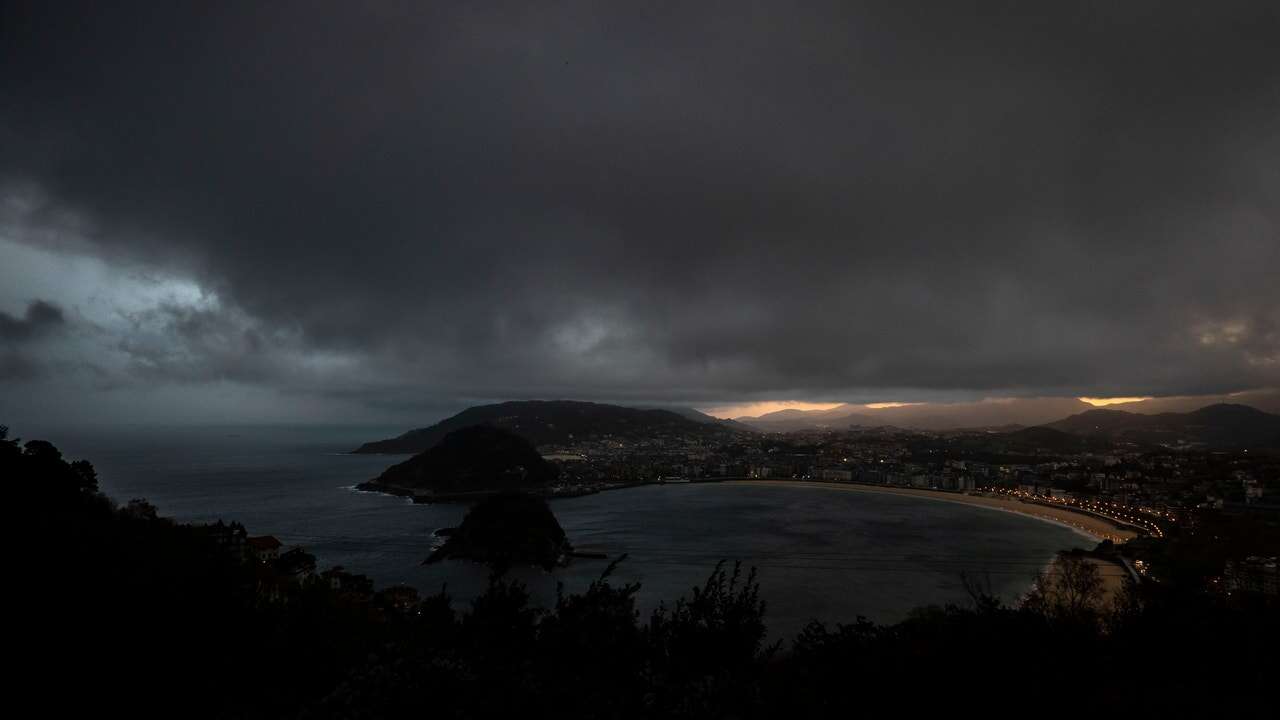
(701, 417)
(549, 422)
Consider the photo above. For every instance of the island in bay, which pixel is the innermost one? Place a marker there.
(507, 529)
(468, 464)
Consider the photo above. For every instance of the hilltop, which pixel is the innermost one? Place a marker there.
(554, 422)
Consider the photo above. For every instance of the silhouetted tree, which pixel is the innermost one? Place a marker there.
(1071, 590)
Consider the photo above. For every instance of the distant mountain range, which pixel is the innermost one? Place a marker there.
(925, 416)
(793, 420)
(555, 422)
(1001, 414)
(1223, 425)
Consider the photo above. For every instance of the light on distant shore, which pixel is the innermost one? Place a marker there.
(1101, 402)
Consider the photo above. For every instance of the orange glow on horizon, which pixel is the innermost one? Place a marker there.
(757, 409)
(1103, 402)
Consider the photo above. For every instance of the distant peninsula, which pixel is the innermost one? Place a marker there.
(552, 422)
(469, 462)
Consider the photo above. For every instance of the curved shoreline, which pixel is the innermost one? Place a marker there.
(1093, 527)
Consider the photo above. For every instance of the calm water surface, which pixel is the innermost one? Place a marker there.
(820, 553)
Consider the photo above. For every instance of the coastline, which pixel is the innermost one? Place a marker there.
(426, 497)
(1091, 526)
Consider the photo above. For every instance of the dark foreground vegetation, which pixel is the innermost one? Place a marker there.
(132, 614)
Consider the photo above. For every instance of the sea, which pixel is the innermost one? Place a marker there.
(818, 554)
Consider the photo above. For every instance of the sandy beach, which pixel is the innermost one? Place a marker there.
(1097, 528)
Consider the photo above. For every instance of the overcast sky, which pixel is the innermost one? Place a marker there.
(388, 211)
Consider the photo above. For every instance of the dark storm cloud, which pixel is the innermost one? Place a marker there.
(40, 318)
(17, 334)
(696, 203)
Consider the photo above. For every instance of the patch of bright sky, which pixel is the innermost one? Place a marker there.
(883, 405)
(106, 305)
(760, 408)
(1103, 402)
(88, 287)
